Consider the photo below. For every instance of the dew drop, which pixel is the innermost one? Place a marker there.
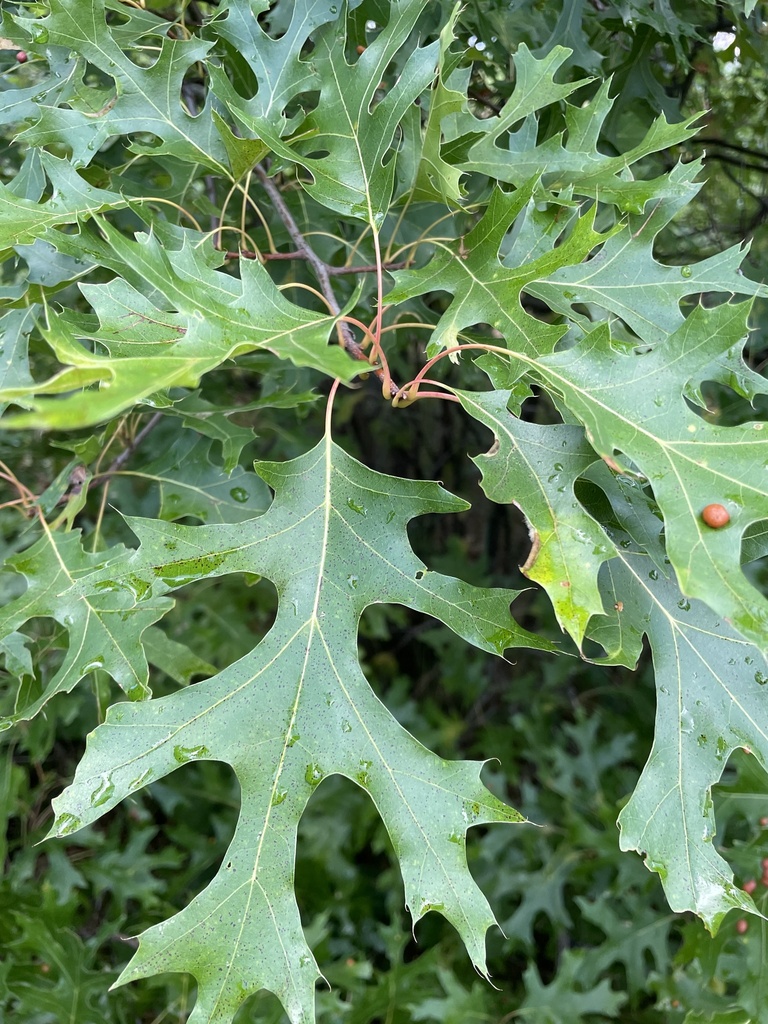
(685, 271)
(313, 774)
(684, 604)
(653, 574)
(279, 796)
(761, 678)
(239, 494)
(356, 506)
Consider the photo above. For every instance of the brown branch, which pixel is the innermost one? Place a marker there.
(733, 162)
(704, 140)
(320, 268)
(368, 268)
(128, 451)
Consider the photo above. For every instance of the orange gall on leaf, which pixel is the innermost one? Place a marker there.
(716, 516)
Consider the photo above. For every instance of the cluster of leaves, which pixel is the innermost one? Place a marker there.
(209, 212)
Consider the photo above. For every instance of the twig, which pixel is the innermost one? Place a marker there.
(479, 98)
(368, 268)
(318, 265)
(704, 140)
(210, 185)
(320, 268)
(127, 452)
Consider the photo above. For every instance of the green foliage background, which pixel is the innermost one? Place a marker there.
(586, 931)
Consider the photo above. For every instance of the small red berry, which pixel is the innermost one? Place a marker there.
(716, 516)
(741, 925)
(21, 56)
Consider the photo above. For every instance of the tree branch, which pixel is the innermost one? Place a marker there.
(127, 452)
(319, 266)
(368, 268)
(703, 140)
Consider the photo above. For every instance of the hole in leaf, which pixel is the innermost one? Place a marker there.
(355, 857)
(725, 406)
(275, 21)
(192, 93)
(117, 19)
(754, 547)
(196, 621)
(47, 643)
(303, 102)
(261, 1006)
